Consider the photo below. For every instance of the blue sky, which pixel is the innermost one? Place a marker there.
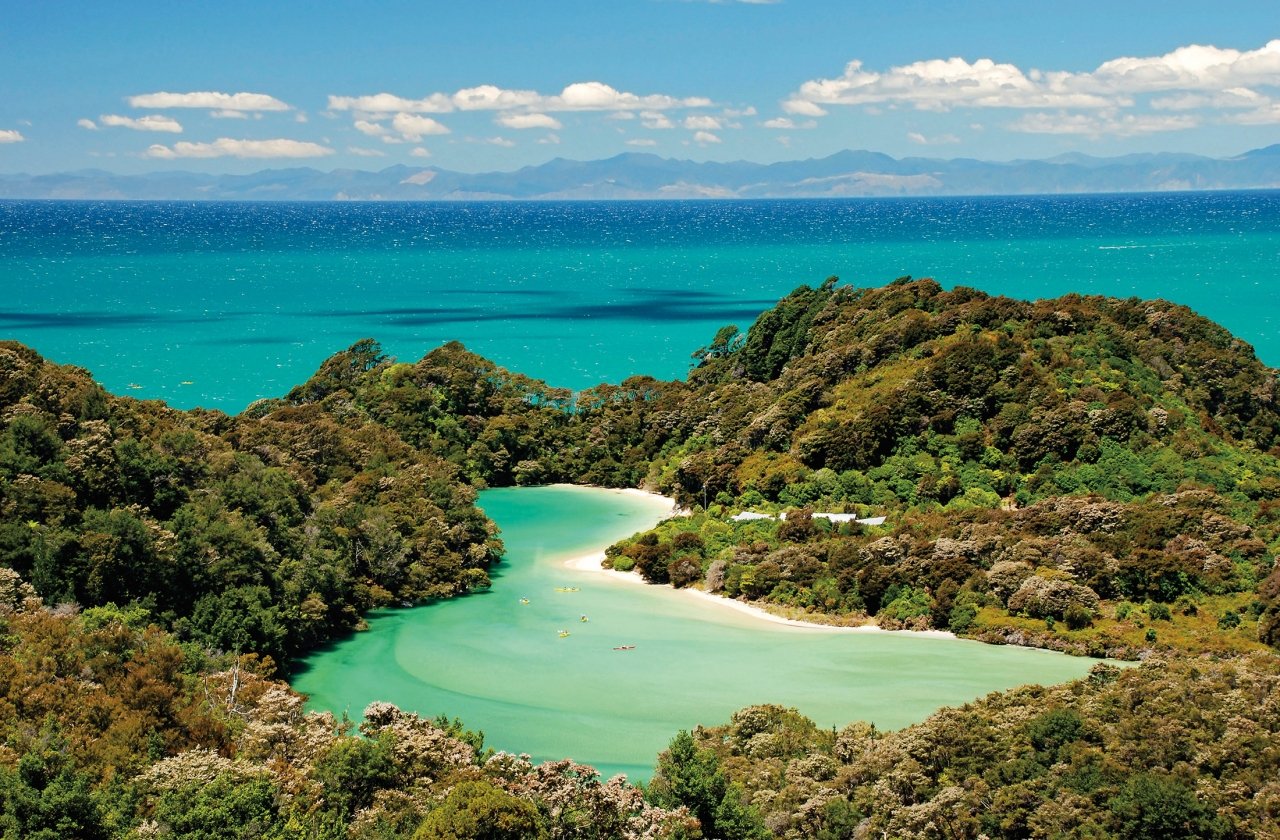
(139, 86)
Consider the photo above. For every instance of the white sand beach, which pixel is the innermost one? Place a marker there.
(595, 563)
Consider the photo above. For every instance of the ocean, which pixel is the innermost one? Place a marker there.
(220, 304)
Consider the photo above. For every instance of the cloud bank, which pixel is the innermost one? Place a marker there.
(1242, 84)
(151, 122)
(210, 100)
(579, 96)
(228, 147)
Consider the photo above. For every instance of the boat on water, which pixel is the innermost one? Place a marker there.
(524, 600)
(583, 618)
(625, 647)
(564, 633)
(566, 589)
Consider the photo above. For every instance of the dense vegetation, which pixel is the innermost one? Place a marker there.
(1093, 475)
(1181, 749)
(240, 534)
(111, 728)
(1088, 474)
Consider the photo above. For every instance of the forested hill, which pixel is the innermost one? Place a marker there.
(1054, 472)
(240, 534)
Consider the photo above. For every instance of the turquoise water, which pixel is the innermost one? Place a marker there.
(501, 665)
(244, 301)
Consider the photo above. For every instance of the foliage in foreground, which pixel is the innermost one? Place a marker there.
(113, 731)
(1170, 749)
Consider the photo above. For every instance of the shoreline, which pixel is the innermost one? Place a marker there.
(594, 563)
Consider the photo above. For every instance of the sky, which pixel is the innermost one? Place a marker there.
(137, 86)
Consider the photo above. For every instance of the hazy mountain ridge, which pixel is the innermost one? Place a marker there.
(648, 176)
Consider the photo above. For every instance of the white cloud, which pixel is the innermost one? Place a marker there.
(1097, 125)
(655, 120)
(732, 113)
(702, 122)
(87, 124)
(579, 96)
(597, 96)
(786, 123)
(210, 100)
(386, 103)
(371, 129)
(1193, 67)
(228, 114)
(1224, 99)
(228, 147)
(803, 108)
(550, 140)
(419, 152)
(492, 98)
(151, 122)
(360, 152)
(412, 127)
(1266, 113)
(9, 135)
(528, 121)
(404, 128)
(942, 84)
(703, 138)
(1190, 78)
(499, 141)
(642, 141)
(937, 140)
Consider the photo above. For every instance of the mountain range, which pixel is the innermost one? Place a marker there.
(647, 176)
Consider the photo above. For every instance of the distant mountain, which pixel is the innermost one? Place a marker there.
(647, 176)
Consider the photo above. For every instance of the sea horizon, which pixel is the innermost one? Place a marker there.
(219, 304)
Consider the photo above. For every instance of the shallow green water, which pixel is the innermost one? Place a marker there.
(502, 666)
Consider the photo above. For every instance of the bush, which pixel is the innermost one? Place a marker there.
(480, 810)
(1077, 617)
(961, 618)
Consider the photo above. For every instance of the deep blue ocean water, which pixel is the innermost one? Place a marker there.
(219, 304)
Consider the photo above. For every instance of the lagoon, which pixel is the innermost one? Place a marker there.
(502, 666)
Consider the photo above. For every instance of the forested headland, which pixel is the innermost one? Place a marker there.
(1092, 475)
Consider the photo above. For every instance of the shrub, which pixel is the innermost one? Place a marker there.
(1077, 617)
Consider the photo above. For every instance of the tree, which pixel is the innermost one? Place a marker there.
(689, 776)
(1156, 805)
(480, 811)
(735, 819)
(46, 799)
